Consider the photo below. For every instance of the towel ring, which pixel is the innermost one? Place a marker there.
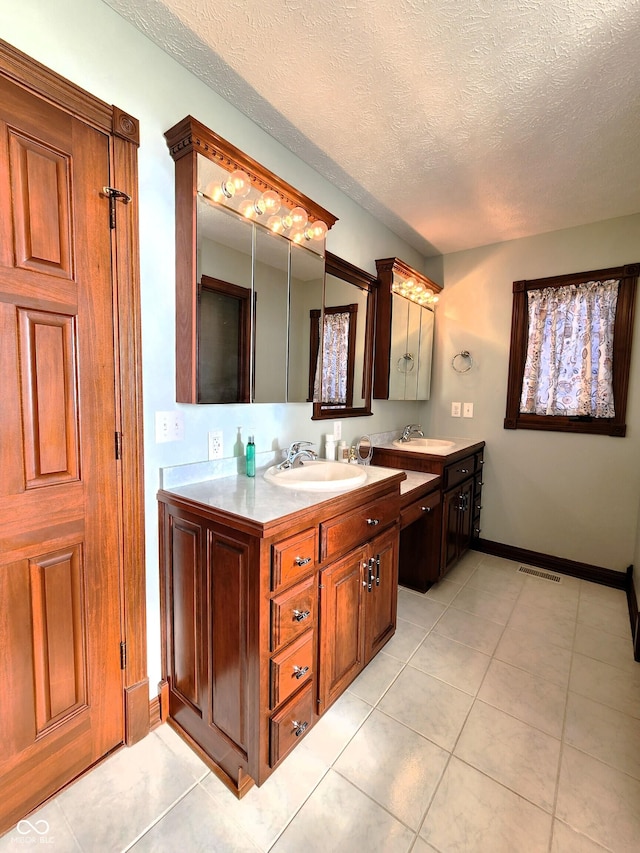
(466, 355)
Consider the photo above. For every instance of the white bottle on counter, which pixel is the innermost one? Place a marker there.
(343, 452)
(330, 446)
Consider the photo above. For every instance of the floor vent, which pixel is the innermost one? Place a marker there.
(547, 576)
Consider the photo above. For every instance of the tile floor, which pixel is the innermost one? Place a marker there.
(503, 716)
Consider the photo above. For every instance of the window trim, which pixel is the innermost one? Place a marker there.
(627, 275)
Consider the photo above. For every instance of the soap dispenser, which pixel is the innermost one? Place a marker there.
(251, 458)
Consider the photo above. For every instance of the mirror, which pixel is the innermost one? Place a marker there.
(341, 357)
(241, 269)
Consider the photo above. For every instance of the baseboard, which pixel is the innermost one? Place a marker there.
(159, 706)
(632, 600)
(136, 712)
(584, 571)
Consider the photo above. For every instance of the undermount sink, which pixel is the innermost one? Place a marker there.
(425, 445)
(317, 476)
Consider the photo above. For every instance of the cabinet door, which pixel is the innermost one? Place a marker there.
(420, 545)
(381, 591)
(457, 524)
(341, 626)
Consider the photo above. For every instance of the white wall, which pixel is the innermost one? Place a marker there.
(88, 43)
(571, 496)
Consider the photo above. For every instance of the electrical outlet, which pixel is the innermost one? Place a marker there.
(169, 426)
(215, 444)
(337, 430)
(467, 410)
(455, 410)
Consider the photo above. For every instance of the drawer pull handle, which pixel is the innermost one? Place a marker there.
(302, 561)
(300, 728)
(373, 521)
(425, 508)
(481, 483)
(477, 531)
(299, 671)
(463, 470)
(301, 615)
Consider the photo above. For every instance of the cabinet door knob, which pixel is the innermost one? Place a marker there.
(300, 615)
(300, 728)
(302, 561)
(299, 671)
(373, 521)
(425, 508)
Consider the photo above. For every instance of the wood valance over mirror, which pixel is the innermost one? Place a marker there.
(249, 258)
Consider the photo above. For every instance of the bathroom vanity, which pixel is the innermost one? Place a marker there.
(439, 525)
(273, 601)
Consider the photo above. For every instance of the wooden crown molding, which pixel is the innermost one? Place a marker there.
(395, 265)
(190, 135)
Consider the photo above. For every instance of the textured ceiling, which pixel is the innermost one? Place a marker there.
(458, 123)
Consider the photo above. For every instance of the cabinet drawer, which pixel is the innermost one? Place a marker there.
(419, 508)
(290, 723)
(341, 534)
(294, 557)
(292, 612)
(291, 668)
(458, 471)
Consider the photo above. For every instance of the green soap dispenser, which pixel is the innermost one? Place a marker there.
(251, 458)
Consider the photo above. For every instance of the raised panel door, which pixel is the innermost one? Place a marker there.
(341, 626)
(61, 707)
(381, 592)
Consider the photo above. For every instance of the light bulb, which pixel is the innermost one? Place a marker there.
(213, 192)
(270, 200)
(237, 184)
(248, 208)
(297, 235)
(296, 218)
(316, 230)
(276, 224)
(435, 299)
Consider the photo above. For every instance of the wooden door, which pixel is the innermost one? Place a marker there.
(341, 626)
(61, 704)
(381, 601)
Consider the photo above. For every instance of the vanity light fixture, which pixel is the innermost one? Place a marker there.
(414, 290)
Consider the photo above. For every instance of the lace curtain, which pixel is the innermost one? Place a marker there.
(568, 368)
(334, 352)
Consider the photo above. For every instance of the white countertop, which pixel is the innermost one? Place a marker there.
(256, 499)
(458, 445)
(414, 480)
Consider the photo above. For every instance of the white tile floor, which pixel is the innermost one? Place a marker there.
(503, 716)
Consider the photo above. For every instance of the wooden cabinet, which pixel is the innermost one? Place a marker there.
(265, 624)
(358, 606)
(420, 534)
(430, 546)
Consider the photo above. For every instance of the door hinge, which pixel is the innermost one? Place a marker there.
(114, 195)
(123, 655)
(118, 438)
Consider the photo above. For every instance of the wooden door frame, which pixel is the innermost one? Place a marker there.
(122, 131)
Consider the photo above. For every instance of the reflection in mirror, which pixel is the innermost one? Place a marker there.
(305, 295)
(342, 385)
(223, 271)
(271, 283)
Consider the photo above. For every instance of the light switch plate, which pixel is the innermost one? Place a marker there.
(455, 410)
(467, 410)
(169, 426)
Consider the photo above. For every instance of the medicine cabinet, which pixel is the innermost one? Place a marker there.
(249, 252)
(404, 332)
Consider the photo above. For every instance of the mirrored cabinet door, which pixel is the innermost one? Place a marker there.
(270, 319)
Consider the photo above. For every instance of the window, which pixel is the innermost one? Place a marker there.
(570, 352)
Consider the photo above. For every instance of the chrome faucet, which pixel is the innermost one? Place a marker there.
(411, 429)
(296, 454)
